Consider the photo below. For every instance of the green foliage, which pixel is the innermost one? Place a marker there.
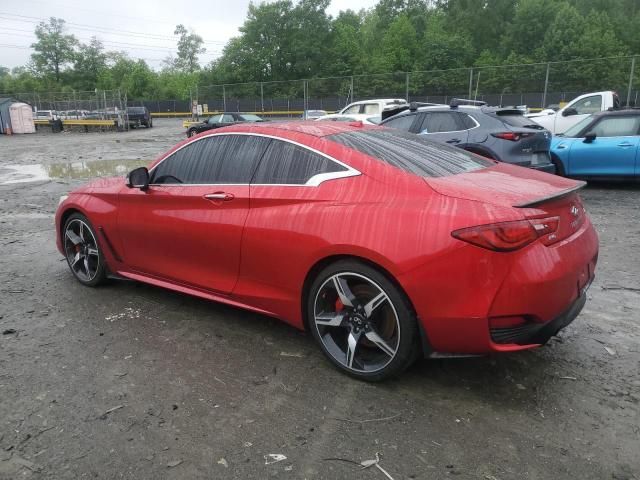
(189, 47)
(53, 50)
(288, 40)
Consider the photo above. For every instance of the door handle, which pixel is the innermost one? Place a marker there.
(625, 144)
(453, 140)
(219, 196)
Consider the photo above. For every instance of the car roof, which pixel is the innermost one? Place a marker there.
(618, 113)
(380, 100)
(309, 127)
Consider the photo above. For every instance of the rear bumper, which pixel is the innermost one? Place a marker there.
(543, 284)
(535, 333)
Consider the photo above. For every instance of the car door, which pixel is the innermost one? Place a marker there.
(443, 127)
(583, 107)
(187, 227)
(290, 184)
(612, 153)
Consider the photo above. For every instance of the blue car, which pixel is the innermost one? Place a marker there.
(603, 146)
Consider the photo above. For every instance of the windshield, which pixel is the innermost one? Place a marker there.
(578, 127)
(250, 118)
(411, 153)
(135, 109)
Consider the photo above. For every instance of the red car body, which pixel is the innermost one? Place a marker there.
(260, 250)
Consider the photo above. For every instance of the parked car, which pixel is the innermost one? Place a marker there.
(313, 114)
(45, 115)
(502, 134)
(602, 146)
(139, 116)
(73, 114)
(576, 110)
(222, 120)
(338, 117)
(383, 244)
(369, 108)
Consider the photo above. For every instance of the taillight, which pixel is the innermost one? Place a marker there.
(510, 236)
(512, 136)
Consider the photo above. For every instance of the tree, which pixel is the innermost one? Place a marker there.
(89, 62)
(189, 47)
(54, 49)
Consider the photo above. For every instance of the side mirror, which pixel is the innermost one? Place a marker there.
(567, 112)
(589, 137)
(138, 178)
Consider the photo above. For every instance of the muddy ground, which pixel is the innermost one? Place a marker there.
(132, 381)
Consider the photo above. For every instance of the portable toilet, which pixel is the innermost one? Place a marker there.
(21, 118)
(15, 117)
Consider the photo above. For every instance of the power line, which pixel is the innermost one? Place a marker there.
(102, 29)
(112, 43)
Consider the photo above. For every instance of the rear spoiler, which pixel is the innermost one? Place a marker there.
(555, 196)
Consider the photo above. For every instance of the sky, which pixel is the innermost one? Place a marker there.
(142, 28)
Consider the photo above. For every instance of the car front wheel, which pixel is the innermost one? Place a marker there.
(82, 251)
(363, 323)
(191, 133)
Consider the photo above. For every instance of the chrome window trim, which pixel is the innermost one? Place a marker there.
(314, 181)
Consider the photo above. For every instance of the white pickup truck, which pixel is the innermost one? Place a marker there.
(574, 111)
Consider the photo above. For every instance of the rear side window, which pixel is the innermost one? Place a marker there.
(518, 120)
(287, 164)
(224, 159)
(411, 153)
(437, 122)
(371, 109)
(403, 122)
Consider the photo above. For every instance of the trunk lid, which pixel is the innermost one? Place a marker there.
(534, 194)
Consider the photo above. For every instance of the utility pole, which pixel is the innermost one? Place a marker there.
(470, 83)
(407, 86)
(546, 86)
(631, 74)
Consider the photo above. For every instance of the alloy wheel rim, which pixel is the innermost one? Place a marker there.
(357, 322)
(81, 250)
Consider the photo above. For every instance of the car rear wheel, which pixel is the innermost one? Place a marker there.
(82, 251)
(191, 133)
(363, 323)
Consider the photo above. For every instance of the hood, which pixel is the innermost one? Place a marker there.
(108, 183)
(504, 185)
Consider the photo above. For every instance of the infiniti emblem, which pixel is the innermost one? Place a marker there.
(574, 210)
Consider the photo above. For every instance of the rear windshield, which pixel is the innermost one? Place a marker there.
(135, 109)
(518, 120)
(411, 153)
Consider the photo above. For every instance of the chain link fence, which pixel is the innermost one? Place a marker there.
(536, 85)
(76, 105)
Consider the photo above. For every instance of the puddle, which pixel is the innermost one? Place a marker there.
(10, 174)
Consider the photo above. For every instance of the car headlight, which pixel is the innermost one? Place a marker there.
(62, 199)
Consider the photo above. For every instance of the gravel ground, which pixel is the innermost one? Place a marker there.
(132, 381)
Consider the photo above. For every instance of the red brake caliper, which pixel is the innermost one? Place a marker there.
(339, 305)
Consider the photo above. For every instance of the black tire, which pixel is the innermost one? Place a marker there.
(150, 123)
(93, 271)
(559, 166)
(392, 325)
(191, 132)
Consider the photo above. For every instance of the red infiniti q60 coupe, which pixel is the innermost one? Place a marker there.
(382, 244)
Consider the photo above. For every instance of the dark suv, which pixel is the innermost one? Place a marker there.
(502, 134)
(139, 116)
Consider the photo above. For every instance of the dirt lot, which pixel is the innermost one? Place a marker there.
(131, 381)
